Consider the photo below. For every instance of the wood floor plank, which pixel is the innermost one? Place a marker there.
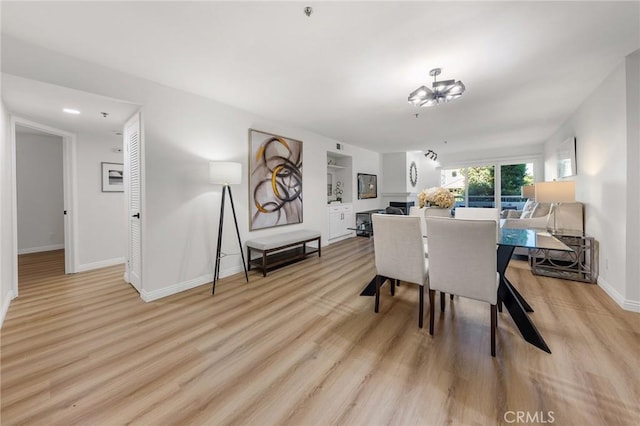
(301, 347)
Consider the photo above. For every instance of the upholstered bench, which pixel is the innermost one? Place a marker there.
(281, 249)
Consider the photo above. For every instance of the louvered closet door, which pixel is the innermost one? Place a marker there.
(133, 186)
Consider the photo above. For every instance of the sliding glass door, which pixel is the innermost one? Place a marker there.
(488, 186)
(481, 186)
(512, 178)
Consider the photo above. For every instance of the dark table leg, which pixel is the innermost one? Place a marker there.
(504, 257)
(514, 302)
(370, 289)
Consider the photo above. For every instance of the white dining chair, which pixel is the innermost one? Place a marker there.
(435, 212)
(479, 213)
(419, 212)
(399, 254)
(475, 213)
(463, 261)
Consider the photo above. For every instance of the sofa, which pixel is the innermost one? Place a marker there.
(569, 216)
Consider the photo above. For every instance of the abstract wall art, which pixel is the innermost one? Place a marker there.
(275, 180)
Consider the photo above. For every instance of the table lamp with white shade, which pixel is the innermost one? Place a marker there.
(556, 193)
(226, 173)
(528, 192)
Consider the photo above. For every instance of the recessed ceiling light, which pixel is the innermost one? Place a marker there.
(71, 111)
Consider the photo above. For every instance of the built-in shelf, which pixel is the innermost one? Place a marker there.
(339, 170)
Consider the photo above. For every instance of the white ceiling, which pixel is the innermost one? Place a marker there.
(44, 103)
(346, 71)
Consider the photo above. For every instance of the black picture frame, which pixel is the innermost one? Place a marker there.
(112, 177)
(367, 186)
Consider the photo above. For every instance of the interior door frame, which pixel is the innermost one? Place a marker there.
(69, 183)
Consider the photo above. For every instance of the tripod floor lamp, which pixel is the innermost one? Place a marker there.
(225, 174)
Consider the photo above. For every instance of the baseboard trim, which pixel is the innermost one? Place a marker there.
(149, 296)
(41, 249)
(626, 304)
(100, 264)
(631, 305)
(612, 292)
(351, 234)
(5, 306)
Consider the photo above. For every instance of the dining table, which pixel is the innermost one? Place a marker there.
(517, 306)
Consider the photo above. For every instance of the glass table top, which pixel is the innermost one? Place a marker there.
(531, 238)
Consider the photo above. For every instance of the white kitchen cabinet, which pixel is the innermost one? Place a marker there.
(340, 219)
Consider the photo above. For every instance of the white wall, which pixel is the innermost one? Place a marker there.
(6, 234)
(395, 176)
(394, 168)
(633, 178)
(365, 161)
(428, 172)
(39, 192)
(182, 133)
(491, 156)
(600, 128)
(102, 225)
(6, 221)
(513, 155)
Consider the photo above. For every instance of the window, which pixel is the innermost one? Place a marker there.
(512, 178)
(454, 181)
(481, 186)
(478, 186)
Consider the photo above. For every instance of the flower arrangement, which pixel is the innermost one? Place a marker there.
(436, 197)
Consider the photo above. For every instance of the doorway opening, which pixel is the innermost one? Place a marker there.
(43, 192)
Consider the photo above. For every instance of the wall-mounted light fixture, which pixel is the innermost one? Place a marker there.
(431, 155)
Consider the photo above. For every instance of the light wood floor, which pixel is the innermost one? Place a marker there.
(301, 347)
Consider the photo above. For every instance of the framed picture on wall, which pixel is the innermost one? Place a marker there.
(275, 180)
(112, 177)
(367, 186)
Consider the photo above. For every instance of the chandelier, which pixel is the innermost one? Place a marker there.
(441, 92)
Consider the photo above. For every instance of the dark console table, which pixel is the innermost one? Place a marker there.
(364, 226)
